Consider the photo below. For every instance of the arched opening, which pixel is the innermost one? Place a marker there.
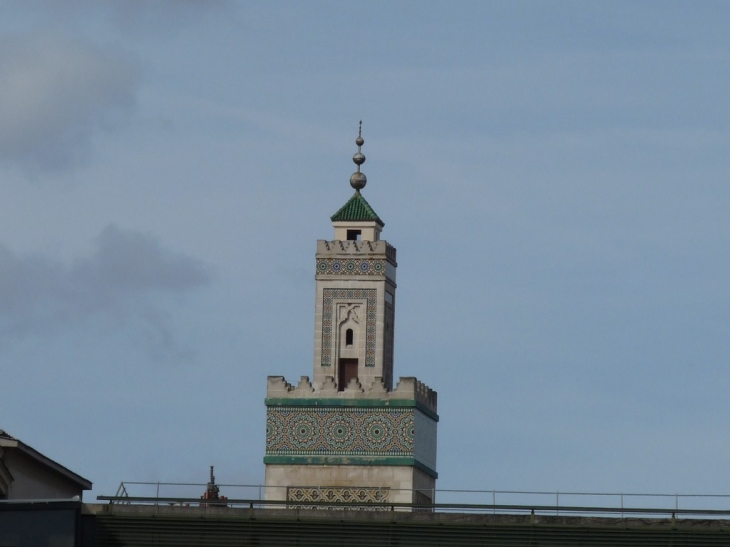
(349, 337)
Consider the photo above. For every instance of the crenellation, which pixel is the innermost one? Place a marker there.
(353, 389)
(328, 388)
(427, 396)
(278, 387)
(377, 388)
(304, 387)
(390, 252)
(358, 248)
(408, 388)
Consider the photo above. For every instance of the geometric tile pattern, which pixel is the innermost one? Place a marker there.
(339, 431)
(350, 266)
(330, 295)
(354, 495)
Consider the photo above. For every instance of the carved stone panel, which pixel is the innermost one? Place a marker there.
(331, 301)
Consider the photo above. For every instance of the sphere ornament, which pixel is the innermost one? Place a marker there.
(358, 180)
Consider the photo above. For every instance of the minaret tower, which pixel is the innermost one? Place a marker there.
(355, 306)
(349, 436)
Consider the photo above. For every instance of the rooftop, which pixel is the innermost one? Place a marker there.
(7, 441)
(357, 209)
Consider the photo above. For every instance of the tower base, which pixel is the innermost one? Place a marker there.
(300, 484)
(358, 446)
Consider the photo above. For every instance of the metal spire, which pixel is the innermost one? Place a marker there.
(358, 180)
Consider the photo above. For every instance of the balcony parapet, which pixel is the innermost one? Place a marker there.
(408, 388)
(338, 248)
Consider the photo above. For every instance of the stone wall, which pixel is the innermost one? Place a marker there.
(399, 484)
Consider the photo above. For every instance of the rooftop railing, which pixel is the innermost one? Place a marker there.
(462, 501)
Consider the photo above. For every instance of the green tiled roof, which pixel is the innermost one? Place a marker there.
(356, 210)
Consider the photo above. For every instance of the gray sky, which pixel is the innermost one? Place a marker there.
(553, 174)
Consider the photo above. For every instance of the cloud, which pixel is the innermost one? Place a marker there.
(130, 17)
(56, 93)
(121, 281)
(131, 14)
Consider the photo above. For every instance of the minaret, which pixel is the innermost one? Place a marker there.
(349, 436)
(355, 306)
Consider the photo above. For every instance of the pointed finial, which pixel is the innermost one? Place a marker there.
(358, 180)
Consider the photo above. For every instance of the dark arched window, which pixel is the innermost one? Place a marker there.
(349, 335)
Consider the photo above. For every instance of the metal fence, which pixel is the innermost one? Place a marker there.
(481, 501)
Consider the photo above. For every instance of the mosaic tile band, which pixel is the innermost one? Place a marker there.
(337, 431)
(330, 296)
(350, 266)
(357, 494)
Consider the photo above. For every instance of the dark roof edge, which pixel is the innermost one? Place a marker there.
(45, 460)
